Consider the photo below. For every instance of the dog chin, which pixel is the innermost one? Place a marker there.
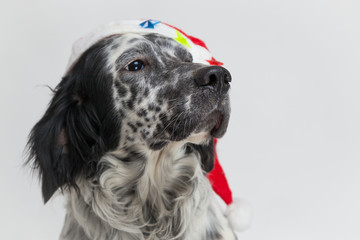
(199, 138)
(195, 138)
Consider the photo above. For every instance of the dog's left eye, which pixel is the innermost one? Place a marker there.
(135, 66)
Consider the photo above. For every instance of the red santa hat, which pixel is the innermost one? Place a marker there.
(238, 211)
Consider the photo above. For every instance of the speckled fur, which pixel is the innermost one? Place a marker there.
(130, 150)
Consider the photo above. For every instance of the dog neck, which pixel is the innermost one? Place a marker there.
(149, 194)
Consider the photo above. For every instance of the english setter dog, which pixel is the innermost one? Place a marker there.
(128, 139)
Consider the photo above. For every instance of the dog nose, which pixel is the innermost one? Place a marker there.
(215, 77)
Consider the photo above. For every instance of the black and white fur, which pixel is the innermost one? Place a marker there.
(130, 147)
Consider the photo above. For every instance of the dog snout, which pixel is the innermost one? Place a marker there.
(214, 77)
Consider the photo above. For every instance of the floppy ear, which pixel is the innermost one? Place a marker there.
(65, 139)
(207, 156)
(79, 126)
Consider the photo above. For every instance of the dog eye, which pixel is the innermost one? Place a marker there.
(135, 66)
(189, 149)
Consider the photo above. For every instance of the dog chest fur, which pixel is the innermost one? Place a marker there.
(169, 185)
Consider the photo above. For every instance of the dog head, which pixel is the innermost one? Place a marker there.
(128, 90)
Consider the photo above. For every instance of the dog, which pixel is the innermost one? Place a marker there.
(128, 140)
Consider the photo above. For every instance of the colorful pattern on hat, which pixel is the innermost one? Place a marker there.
(195, 46)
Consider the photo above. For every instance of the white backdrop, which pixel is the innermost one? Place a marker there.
(292, 147)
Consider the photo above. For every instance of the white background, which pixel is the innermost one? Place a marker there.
(292, 147)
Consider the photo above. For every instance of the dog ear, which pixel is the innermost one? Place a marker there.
(65, 139)
(78, 127)
(207, 155)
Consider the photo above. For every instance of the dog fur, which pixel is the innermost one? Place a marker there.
(128, 139)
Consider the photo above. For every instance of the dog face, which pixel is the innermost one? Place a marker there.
(128, 90)
(162, 95)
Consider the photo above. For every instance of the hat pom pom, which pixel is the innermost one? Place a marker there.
(239, 214)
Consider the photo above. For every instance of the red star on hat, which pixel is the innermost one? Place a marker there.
(213, 61)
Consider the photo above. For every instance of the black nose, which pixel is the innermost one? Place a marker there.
(215, 77)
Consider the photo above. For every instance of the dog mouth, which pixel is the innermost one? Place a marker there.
(220, 126)
(215, 123)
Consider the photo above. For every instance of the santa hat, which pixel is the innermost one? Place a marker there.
(238, 211)
(196, 47)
